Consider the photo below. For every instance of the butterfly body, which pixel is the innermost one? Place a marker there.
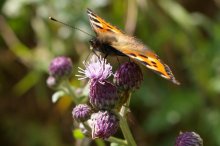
(111, 41)
(104, 47)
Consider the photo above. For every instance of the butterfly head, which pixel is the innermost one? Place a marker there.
(95, 43)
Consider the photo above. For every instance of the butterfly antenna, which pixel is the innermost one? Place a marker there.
(51, 18)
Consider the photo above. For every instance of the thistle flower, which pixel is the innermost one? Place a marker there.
(103, 95)
(97, 69)
(104, 124)
(189, 139)
(61, 67)
(81, 112)
(128, 76)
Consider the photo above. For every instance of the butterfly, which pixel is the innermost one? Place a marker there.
(111, 41)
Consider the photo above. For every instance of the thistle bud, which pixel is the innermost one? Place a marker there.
(128, 76)
(104, 124)
(81, 112)
(189, 139)
(61, 67)
(103, 95)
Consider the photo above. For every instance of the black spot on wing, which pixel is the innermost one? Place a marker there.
(98, 26)
(145, 63)
(93, 19)
(143, 56)
(109, 30)
(154, 63)
(132, 54)
(89, 11)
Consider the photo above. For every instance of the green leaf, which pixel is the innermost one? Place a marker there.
(57, 95)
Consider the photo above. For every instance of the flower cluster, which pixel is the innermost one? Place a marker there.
(98, 118)
(103, 94)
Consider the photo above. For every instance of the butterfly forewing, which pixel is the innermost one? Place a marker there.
(99, 25)
(129, 46)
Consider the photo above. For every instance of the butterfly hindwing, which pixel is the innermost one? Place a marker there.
(152, 62)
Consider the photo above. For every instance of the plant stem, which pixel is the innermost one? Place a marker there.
(124, 124)
(70, 91)
(121, 142)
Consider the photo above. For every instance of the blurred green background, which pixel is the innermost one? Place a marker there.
(184, 33)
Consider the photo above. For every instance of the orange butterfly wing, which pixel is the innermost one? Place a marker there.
(152, 61)
(131, 47)
(99, 25)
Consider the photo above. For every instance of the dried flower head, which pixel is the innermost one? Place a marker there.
(104, 124)
(81, 112)
(128, 76)
(96, 69)
(189, 139)
(61, 67)
(103, 95)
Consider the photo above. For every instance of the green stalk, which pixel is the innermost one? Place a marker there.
(121, 142)
(70, 91)
(124, 124)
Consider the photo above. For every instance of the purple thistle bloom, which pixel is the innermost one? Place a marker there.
(61, 67)
(104, 124)
(97, 69)
(81, 112)
(103, 95)
(128, 76)
(189, 139)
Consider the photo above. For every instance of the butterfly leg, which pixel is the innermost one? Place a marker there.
(129, 59)
(88, 56)
(95, 53)
(118, 60)
(106, 55)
